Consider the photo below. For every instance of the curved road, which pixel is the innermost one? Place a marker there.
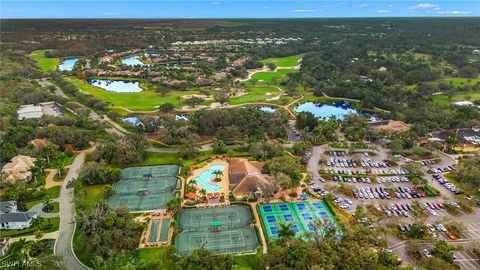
(63, 245)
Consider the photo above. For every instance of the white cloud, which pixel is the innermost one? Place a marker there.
(265, 7)
(215, 3)
(304, 10)
(363, 5)
(424, 6)
(453, 12)
(382, 11)
(111, 13)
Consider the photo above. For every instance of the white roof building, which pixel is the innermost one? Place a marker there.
(463, 103)
(29, 111)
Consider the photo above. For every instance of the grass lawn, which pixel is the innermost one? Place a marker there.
(254, 94)
(45, 64)
(93, 194)
(53, 192)
(288, 61)
(441, 99)
(30, 231)
(146, 100)
(80, 250)
(459, 81)
(156, 254)
(56, 207)
(267, 77)
(154, 158)
(457, 183)
(252, 261)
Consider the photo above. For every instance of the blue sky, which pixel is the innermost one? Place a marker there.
(234, 8)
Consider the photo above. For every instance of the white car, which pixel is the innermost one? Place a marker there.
(345, 206)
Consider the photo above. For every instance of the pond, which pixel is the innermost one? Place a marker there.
(267, 109)
(181, 117)
(323, 110)
(67, 64)
(133, 120)
(136, 121)
(119, 86)
(133, 61)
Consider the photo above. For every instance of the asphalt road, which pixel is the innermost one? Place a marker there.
(63, 245)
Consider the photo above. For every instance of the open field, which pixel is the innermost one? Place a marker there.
(45, 64)
(255, 94)
(268, 77)
(141, 101)
(288, 61)
(444, 99)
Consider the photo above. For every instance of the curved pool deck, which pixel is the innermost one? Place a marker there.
(204, 177)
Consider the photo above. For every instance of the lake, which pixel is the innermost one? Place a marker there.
(323, 110)
(133, 61)
(67, 64)
(119, 86)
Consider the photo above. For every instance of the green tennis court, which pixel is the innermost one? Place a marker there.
(220, 229)
(145, 188)
(304, 217)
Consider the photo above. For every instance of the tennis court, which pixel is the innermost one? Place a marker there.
(145, 188)
(219, 229)
(303, 216)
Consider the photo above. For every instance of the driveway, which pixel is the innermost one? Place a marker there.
(63, 245)
(38, 208)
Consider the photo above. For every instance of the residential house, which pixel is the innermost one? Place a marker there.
(38, 143)
(18, 169)
(11, 219)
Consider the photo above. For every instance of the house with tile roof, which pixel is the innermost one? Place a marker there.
(18, 169)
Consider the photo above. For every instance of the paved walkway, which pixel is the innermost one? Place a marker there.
(260, 229)
(51, 235)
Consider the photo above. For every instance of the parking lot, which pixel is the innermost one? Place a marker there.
(467, 260)
(385, 185)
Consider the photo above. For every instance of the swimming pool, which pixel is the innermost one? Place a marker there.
(205, 176)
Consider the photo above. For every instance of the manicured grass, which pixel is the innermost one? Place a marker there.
(459, 81)
(445, 100)
(284, 61)
(267, 77)
(80, 250)
(441, 99)
(52, 193)
(154, 158)
(146, 100)
(30, 231)
(255, 94)
(156, 254)
(93, 194)
(56, 207)
(252, 261)
(45, 64)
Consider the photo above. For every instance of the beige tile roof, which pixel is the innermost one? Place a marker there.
(18, 168)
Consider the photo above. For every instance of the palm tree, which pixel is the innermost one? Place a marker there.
(217, 174)
(285, 232)
(203, 192)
